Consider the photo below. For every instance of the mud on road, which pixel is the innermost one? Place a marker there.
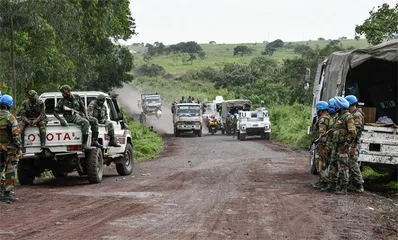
(213, 187)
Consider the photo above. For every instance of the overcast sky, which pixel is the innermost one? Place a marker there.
(239, 21)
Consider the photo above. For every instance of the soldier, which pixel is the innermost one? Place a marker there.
(234, 124)
(96, 109)
(183, 100)
(228, 123)
(355, 173)
(75, 102)
(11, 149)
(320, 128)
(344, 135)
(262, 104)
(33, 113)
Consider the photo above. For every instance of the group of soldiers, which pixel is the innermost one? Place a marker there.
(337, 134)
(33, 113)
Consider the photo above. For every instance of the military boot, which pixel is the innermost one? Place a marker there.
(8, 197)
(330, 188)
(317, 184)
(112, 142)
(84, 142)
(43, 140)
(94, 140)
(343, 190)
(359, 188)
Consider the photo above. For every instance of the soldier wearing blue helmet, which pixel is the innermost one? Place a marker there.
(320, 128)
(344, 135)
(234, 124)
(356, 181)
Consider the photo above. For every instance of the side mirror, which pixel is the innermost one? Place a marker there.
(120, 116)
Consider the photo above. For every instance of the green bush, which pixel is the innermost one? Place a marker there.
(146, 143)
(289, 124)
(150, 70)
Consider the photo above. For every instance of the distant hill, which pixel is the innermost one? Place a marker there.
(219, 54)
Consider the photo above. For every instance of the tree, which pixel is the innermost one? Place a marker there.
(242, 50)
(321, 39)
(302, 49)
(271, 47)
(381, 25)
(334, 42)
(357, 38)
(212, 42)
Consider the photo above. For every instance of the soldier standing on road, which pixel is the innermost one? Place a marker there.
(355, 172)
(228, 123)
(321, 127)
(96, 109)
(75, 102)
(33, 113)
(234, 125)
(344, 135)
(10, 140)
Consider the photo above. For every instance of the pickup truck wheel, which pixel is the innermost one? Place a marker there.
(312, 160)
(222, 131)
(59, 174)
(265, 136)
(238, 135)
(95, 165)
(176, 133)
(26, 172)
(242, 137)
(126, 168)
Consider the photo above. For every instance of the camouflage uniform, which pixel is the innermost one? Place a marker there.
(228, 124)
(33, 114)
(344, 135)
(355, 172)
(321, 127)
(234, 125)
(77, 104)
(10, 140)
(97, 110)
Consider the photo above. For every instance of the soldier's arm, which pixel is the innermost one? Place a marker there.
(351, 132)
(42, 115)
(22, 112)
(58, 109)
(90, 110)
(323, 125)
(82, 108)
(15, 132)
(358, 122)
(105, 117)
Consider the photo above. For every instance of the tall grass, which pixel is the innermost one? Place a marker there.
(146, 143)
(289, 124)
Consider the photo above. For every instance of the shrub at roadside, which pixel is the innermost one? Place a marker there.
(289, 124)
(147, 144)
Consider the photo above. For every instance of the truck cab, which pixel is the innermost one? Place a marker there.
(187, 118)
(371, 75)
(63, 152)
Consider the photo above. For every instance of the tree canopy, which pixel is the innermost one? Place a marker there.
(381, 25)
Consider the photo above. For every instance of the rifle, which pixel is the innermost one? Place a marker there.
(74, 112)
(325, 134)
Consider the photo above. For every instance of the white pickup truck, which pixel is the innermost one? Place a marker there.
(252, 123)
(63, 153)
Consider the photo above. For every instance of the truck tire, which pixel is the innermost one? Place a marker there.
(312, 160)
(95, 165)
(200, 133)
(238, 135)
(242, 137)
(176, 133)
(26, 172)
(265, 136)
(126, 168)
(59, 174)
(222, 130)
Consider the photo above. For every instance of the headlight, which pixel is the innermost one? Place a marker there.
(197, 123)
(242, 126)
(266, 127)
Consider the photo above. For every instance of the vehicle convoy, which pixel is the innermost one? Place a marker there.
(371, 75)
(63, 152)
(151, 104)
(253, 123)
(232, 107)
(187, 118)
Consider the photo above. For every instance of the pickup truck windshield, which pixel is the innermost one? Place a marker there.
(152, 100)
(188, 110)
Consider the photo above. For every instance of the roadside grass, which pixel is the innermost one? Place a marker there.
(217, 55)
(146, 143)
(289, 124)
(378, 181)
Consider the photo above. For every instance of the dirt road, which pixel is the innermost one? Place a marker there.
(213, 187)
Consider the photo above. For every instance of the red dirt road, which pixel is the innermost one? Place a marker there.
(213, 187)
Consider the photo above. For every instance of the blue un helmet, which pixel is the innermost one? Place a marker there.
(332, 106)
(235, 114)
(6, 100)
(228, 114)
(342, 102)
(351, 99)
(322, 105)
